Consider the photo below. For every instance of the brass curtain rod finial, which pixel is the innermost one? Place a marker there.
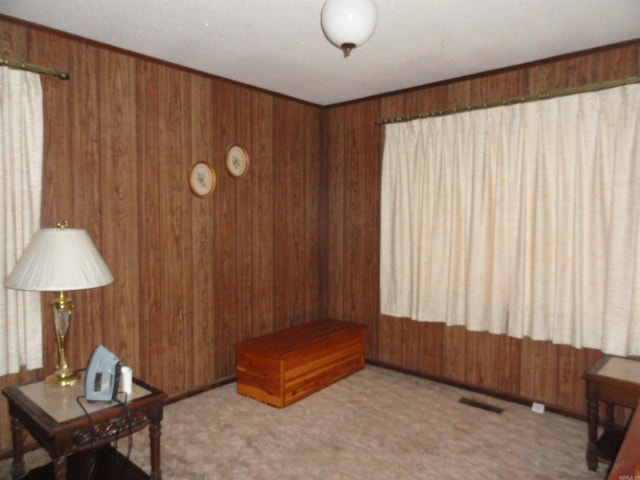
(22, 65)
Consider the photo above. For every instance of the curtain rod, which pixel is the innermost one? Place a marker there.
(511, 101)
(5, 62)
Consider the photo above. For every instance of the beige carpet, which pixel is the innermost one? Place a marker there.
(376, 424)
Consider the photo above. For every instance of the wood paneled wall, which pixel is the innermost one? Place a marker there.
(192, 276)
(294, 239)
(520, 368)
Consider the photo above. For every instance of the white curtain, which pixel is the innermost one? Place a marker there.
(520, 219)
(21, 145)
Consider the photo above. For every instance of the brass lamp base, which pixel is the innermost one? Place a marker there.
(62, 379)
(63, 376)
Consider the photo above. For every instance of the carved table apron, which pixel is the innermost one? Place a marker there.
(54, 418)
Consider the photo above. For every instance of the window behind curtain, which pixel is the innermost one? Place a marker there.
(21, 144)
(520, 219)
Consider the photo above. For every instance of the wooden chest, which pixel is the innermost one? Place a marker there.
(285, 366)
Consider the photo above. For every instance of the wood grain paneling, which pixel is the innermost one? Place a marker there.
(294, 239)
(296, 236)
(202, 233)
(521, 368)
(174, 159)
(193, 276)
(226, 246)
(334, 229)
(261, 216)
(148, 174)
(85, 152)
(118, 161)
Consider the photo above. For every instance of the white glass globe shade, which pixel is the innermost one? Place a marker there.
(349, 21)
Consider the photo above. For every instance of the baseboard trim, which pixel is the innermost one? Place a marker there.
(481, 390)
(200, 389)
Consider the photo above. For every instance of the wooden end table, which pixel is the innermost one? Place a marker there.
(627, 464)
(613, 381)
(53, 417)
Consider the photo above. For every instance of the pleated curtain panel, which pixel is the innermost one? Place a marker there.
(520, 220)
(21, 146)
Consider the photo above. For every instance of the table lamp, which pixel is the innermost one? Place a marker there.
(58, 260)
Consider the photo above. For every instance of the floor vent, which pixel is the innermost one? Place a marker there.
(483, 406)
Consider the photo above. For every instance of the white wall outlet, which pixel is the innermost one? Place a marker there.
(537, 407)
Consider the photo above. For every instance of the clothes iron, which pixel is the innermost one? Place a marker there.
(103, 376)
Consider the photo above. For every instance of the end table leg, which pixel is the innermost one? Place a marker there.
(592, 446)
(609, 422)
(60, 468)
(18, 469)
(154, 436)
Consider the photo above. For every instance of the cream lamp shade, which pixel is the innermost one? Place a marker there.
(59, 259)
(349, 23)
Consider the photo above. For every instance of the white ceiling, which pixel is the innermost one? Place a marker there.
(278, 45)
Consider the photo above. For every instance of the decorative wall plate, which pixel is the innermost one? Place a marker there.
(237, 160)
(202, 180)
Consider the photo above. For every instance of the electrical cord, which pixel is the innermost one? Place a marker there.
(125, 410)
(125, 415)
(92, 430)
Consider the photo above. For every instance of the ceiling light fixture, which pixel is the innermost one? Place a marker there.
(349, 23)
